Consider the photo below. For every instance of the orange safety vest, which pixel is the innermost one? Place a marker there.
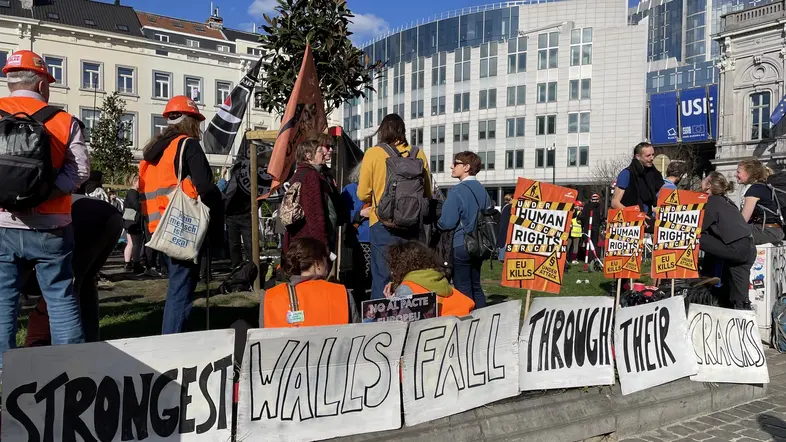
(322, 303)
(457, 304)
(59, 128)
(157, 181)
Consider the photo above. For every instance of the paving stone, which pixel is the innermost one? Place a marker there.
(733, 427)
(755, 434)
(697, 426)
(747, 439)
(753, 407)
(723, 416)
(654, 439)
(700, 436)
(723, 434)
(680, 430)
(739, 412)
(711, 421)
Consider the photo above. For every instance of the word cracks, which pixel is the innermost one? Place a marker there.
(133, 405)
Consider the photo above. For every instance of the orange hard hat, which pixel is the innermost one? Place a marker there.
(183, 105)
(27, 61)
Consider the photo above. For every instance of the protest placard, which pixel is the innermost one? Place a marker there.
(414, 308)
(678, 219)
(566, 343)
(727, 345)
(652, 345)
(624, 234)
(456, 364)
(171, 387)
(536, 245)
(316, 383)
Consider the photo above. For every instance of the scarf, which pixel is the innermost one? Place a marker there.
(645, 182)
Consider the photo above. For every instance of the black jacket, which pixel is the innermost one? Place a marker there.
(132, 201)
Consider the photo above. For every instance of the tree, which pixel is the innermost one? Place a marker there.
(605, 172)
(345, 72)
(110, 141)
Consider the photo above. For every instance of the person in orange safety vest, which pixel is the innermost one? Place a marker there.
(158, 177)
(307, 299)
(414, 270)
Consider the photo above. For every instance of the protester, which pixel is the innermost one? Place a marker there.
(159, 173)
(576, 232)
(371, 189)
(760, 208)
(237, 206)
(132, 221)
(94, 186)
(674, 174)
(357, 240)
(504, 222)
(43, 236)
(317, 197)
(591, 227)
(97, 226)
(115, 201)
(460, 212)
(639, 183)
(726, 236)
(307, 299)
(414, 270)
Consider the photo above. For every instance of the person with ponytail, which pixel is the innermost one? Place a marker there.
(760, 207)
(727, 240)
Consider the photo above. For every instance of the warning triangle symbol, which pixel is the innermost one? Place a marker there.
(673, 199)
(549, 270)
(533, 192)
(686, 261)
(632, 265)
(618, 218)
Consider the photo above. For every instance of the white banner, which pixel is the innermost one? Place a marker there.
(566, 342)
(456, 364)
(313, 383)
(172, 387)
(652, 345)
(727, 345)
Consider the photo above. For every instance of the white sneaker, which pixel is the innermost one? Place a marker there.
(574, 262)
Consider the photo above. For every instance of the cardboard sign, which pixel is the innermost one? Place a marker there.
(536, 245)
(414, 308)
(727, 345)
(624, 246)
(652, 345)
(456, 364)
(316, 383)
(566, 343)
(171, 387)
(678, 219)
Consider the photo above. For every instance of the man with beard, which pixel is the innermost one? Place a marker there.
(639, 183)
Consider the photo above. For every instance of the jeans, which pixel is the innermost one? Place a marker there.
(183, 279)
(738, 258)
(766, 235)
(239, 226)
(466, 276)
(381, 238)
(50, 251)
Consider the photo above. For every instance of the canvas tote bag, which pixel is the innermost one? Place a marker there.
(182, 229)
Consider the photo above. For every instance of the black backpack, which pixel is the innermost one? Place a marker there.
(26, 172)
(241, 279)
(481, 243)
(404, 204)
(777, 183)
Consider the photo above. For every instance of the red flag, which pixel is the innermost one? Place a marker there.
(304, 116)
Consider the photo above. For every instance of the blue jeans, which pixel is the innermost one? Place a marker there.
(183, 279)
(51, 252)
(380, 238)
(466, 276)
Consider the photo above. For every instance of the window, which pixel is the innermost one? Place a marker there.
(461, 102)
(177, 24)
(382, 85)
(438, 68)
(417, 73)
(122, 28)
(199, 28)
(91, 76)
(162, 37)
(3, 59)
(460, 132)
(514, 159)
(398, 79)
(463, 57)
(517, 95)
(487, 130)
(56, 67)
(583, 155)
(53, 15)
(547, 92)
(517, 55)
(581, 46)
(223, 89)
(125, 80)
(5, 3)
(760, 116)
(488, 99)
(193, 88)
(398, 109)
(416, 136)
(127, 127)
(151, 18)
(416, 110)
(548, 50)
(368, 143)
(578, 156)
(540, 155)
(584, 122)
(162, 83)
(488, 60)
(551, 157)
(437, 149)
(514, 127)
(159, 125)
(573, 160)
(438, 106)
(545, 125)
(90, 22)
(254, 51)
(192, 43)
(222, 48)
(90, 119)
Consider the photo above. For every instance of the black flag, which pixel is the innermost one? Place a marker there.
(220, 134)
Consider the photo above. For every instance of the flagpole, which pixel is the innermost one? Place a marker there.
(252, 156)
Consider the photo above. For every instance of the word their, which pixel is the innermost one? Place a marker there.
(647, 334)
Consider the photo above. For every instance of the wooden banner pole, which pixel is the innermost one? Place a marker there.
(672, 287)
(619, 290)
(526, 304)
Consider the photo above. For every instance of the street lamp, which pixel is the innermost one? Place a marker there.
(552, 151)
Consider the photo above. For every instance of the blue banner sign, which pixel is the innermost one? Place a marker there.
(713, 108)
(663, 118)
(694, 115)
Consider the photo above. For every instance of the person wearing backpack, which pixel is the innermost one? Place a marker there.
(395, 181)
(44, 160)
(760, 207)
(461, 212)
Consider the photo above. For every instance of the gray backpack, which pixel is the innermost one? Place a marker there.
(404, 204)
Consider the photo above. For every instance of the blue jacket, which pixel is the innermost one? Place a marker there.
(350, 199)
(460, 210)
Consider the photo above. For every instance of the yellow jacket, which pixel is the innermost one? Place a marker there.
(373, 175)
(575, 228)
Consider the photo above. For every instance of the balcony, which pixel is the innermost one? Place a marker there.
(753, 16)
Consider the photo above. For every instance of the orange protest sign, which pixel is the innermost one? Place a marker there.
(678, 219)
(624, 233)
(536, 245)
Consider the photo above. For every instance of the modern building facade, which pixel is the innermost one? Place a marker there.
(94, 48)
(542, 89)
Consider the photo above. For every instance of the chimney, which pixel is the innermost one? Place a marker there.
(214, 21)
